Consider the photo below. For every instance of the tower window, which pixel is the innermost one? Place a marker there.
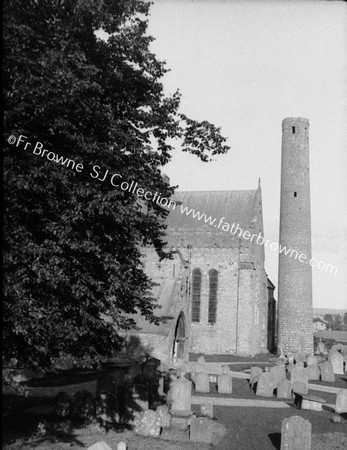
(295, 194)
(212, 303)
(293, 130)
(196, 285)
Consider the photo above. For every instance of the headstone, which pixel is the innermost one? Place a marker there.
(201, 360)
(225, 383)
(299, 374)
(337, 363)
(300, 388)
(101, 445)
(202, 382)
(279, 372)
(313, 372)
(164, 415)
(284, 389)
(300, 358)
(341, 401)
(327, 372)
(201, 430)
(311, 360)
(181, 395)
(121, 446)
(320, 347)
(147, 423)
(206, 409)
(290, 359)
(296, 434)
(82, 406)
(266, 385)
(225, 369)
(254, 375)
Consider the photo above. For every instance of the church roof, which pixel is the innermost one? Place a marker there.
(235, 207)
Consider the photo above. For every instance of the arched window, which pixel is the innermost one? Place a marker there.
(196, 293)
(212, 302)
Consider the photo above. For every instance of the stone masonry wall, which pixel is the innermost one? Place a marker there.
(173, 290)
(220, 337)
(295, 331)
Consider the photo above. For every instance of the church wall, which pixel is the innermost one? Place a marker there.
(220, 337)
(173, 293)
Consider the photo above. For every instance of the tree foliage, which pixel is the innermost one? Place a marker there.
(72, 251)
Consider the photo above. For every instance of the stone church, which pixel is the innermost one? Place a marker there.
(215, 288)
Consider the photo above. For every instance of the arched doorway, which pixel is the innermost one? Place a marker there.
(180, 338)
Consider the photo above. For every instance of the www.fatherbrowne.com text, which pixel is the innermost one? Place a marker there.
(116, 180)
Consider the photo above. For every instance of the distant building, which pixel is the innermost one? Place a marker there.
(319, 324)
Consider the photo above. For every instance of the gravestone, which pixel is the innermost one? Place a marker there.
(296, 434)
(299, 374)
(320, 347)
(225, 369)
(206, 409)
(121, 446)
(147, 423)
(181, 395)
(284, 389)
(341, 401)
(266, 385)
(254, 375)
(164, 415)
(327, 372)
(300, 358)
(201, 360)
(279, 372)
(337, 363)
(202, 382)
(225, 383)
(300, 388)
(311, 360)
(313, 372)
(201, 430)
(162, 370)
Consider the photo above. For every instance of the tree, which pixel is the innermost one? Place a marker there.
(72, 250)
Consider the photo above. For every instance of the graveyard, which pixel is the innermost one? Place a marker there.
(211, 402)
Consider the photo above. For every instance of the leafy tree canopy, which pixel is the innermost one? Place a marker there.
(72, 243)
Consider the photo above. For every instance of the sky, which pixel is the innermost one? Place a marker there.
(245, 66)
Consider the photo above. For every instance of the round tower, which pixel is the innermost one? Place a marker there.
(295, 327)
